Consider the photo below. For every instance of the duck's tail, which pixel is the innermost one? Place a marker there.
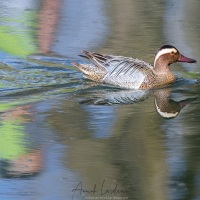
(90, 71)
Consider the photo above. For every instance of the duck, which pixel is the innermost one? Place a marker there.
(132, 73)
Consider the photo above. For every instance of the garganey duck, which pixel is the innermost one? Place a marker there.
(132, 73)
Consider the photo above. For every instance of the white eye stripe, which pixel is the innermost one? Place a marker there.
(164, 51)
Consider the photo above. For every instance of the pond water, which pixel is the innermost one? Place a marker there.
(64, 137)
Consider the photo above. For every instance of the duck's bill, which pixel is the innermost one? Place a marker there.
(186, 59)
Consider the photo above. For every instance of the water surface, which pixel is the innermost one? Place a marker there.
(65, 137)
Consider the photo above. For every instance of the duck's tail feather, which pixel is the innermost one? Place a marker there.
(90, 71)
(83, 56)
(75, 64)
(97, 59)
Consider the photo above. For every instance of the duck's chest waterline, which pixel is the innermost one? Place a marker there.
(157, 80)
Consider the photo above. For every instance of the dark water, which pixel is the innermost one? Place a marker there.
(64, 137)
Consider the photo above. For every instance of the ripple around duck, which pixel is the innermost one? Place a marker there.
(40, 77)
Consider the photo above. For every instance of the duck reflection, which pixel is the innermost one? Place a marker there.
(165, 106)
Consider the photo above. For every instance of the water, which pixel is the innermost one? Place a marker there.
(64, 137)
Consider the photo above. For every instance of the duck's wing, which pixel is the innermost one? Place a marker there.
(127, 72)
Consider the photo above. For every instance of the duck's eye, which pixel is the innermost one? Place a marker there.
(173, 52)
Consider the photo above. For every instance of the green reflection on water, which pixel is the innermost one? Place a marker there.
(17, 34)
(17, 44)
(11, 142)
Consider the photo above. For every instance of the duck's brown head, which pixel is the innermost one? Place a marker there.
(167, 55)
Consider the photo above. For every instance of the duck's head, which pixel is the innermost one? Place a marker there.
(167, 55)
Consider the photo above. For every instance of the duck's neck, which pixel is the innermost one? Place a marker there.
(161, 67)
(163, 73)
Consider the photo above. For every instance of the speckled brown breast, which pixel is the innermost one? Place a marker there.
(156, 80)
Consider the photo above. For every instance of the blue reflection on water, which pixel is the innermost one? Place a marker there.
(85, 29)
(101, 120)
